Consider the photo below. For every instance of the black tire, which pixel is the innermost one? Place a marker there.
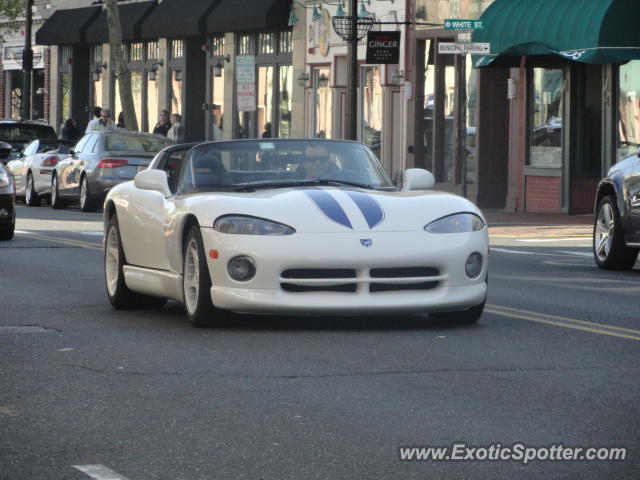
(88, 203)
(471, 315)
(31, 198)
(199, 310)
(7, 232)
(57, 203)
(120, 296)
(609, 249)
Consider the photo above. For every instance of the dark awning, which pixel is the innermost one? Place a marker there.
(589, 31)
(131, 15)
(66, 26)
(178, 18)
(237, 16)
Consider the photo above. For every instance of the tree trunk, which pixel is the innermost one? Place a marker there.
(119, 63)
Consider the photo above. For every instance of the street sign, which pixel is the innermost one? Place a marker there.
(460, 24)
(245, 69)
(473, 48)
(246, 97)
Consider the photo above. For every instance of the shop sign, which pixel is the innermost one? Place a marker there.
(460, 24)
(246, 97)
(383, 47)
(245, 69)
(473, 48)
(12, 57)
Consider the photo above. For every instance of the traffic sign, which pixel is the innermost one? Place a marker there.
(461, 24)
(454, 47)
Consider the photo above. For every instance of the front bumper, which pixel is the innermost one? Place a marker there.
(448, 290)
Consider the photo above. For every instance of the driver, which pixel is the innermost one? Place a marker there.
(317, 163)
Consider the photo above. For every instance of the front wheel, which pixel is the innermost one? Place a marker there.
(31, 198)
(88, 202)
(6, 233)
(56, 202)
(609, 249)
(120, 296)
(471, 315)
(196, 283)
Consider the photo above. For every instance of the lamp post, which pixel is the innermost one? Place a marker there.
(27, 63)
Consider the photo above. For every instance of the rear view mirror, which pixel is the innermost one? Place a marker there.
(417, 179)
(154, 180)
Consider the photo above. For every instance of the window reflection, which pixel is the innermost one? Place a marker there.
(371, 108)
(449, 121)
(217, 108)
(629, 110)
(546, 118)
(176, 92)
(285, 82)
(428, 104)
(152, 103)
(323, 103)
(265, 102)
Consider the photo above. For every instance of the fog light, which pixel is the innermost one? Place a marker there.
(4, 212)
(473, 267)
(241, 268)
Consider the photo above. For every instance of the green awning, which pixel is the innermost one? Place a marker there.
(588, 31)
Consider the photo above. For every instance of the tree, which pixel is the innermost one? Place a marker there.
(9, 11)
(123, 74)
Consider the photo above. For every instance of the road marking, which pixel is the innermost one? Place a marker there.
(579, 254)
(99, 472)
(519, 252)
(564, 239)
(65, 241)
(599, 328)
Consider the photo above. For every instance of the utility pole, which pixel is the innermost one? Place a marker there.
(351, 117)
(27, 63)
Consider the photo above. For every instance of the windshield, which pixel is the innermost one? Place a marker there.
(136, 143)
(252, 164)
(25, 132)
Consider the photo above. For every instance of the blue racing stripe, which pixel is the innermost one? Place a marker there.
(328, 205)
(370, 209)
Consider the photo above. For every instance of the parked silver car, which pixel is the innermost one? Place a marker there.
(32, 169)
(99, 162)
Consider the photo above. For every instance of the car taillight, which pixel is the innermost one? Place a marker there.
(50, 162)
(112, 163)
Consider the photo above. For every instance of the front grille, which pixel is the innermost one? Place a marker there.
(400, 272)
(316, 273)
(363, 281)
(347, 287)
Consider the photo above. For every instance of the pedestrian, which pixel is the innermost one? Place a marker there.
(267, 130)
(176, 132)
(164, 124)
(105, 123)
(96, 119)
(120, 123)
(70, 131)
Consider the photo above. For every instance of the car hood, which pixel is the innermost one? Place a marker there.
(330, 209)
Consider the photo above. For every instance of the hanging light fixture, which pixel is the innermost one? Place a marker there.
(363, 11)
(316, 15)
(323, 81)
(292, 18)
(340, 11)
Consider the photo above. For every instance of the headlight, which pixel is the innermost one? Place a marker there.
(244, 225)
(5, 181)
(457, 223)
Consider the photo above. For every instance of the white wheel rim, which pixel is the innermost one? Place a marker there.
(83, 192)
(29, 191)
(603, 235)
(54, 190)
(191, 277)
(111, 261)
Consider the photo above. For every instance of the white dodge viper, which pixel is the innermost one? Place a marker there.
(299, 227)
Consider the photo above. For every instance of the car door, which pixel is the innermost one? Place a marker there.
(19, 166)
(633, 188)
(143, 225)
(65, 169)
(85, 160)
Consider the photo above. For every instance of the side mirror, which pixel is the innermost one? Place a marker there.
(154, 180)
(417, 179)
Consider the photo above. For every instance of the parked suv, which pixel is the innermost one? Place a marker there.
(19, 133)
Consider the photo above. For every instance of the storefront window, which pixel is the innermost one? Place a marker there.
(65, 96)
(136, 89)
(629, 110)
(371, 107)
(546, 118)
(428, 111)
(176, 92)
(217, 108)
(323, 103)
(449, 120)
(265, 102)
(471, 112)
(16, 93)
(285, 83)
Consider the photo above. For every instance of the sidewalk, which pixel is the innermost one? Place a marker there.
(537, 225)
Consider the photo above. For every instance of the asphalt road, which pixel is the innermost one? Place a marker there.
(90, 392)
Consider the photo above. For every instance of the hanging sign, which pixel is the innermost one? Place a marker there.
(246, 97)
(245, 69)
(383, 47)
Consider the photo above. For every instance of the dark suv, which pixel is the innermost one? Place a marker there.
(19, 133)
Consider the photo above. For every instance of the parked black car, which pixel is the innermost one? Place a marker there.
(19, 133)
(616, 229)
(7, 204)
